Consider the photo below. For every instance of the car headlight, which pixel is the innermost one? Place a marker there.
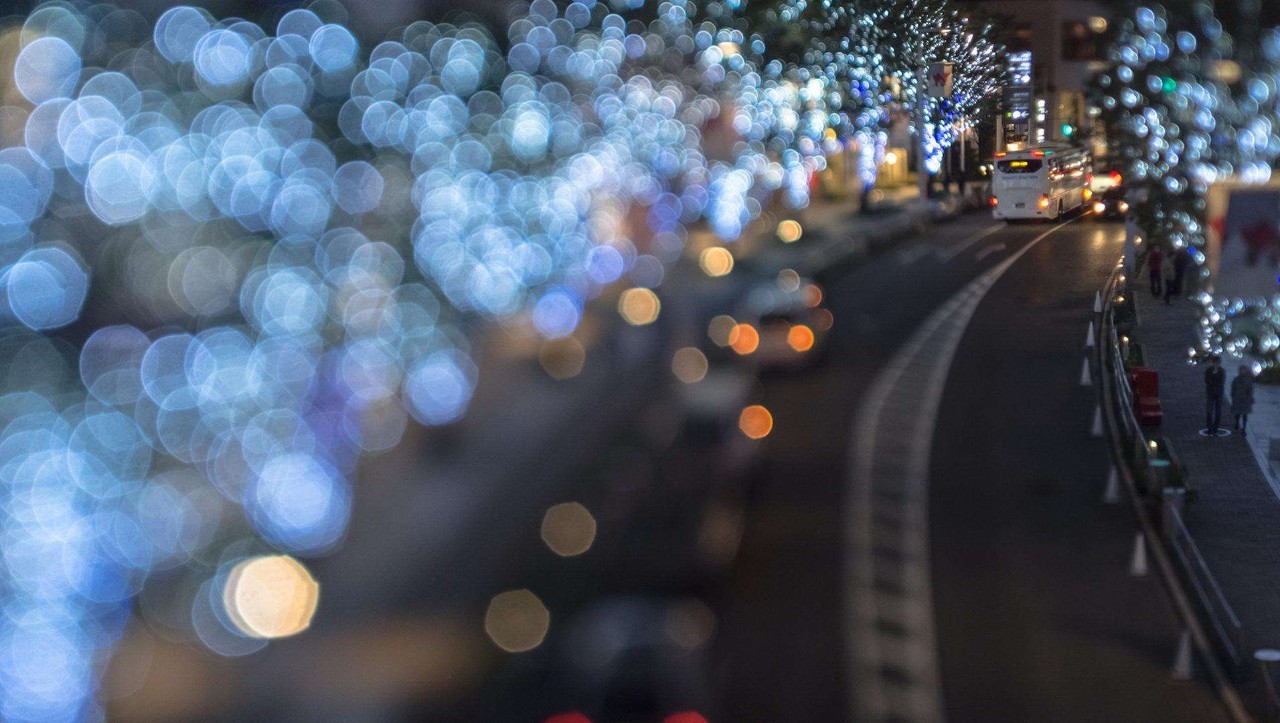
(1124, 207)
(1099, 207)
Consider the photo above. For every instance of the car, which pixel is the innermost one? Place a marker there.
(1110, 204)
(1101, 181)
(788, 321)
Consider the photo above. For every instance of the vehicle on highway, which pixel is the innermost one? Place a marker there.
(788, 319)
(1110, 204)
(1040, 183)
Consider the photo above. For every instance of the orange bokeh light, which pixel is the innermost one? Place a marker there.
(744, 339)
(800, 338)
(755, 421)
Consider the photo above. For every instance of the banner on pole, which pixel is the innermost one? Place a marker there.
(940, 80)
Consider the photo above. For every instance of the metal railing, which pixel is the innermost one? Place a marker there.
(1177, 557)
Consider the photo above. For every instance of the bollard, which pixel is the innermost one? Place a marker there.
(1138, 564)
(1265, 658)
(1182, 659)
(1097, 302)
(1086, 380)
(1096, 430)
(1088, 340)
(1111, 495)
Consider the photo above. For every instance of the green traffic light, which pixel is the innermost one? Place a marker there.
(1068, 130)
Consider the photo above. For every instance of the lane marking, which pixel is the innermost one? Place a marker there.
(911, 255)
(990, 250)
(890, 643)
(965, 244)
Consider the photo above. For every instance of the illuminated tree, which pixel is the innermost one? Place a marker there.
(1181, 114)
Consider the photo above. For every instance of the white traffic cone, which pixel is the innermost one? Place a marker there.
(1111, 495)
(1097, 302)
(1086, 379)
(1138, 565)
(1096, 430)
(1088, 342)
(1182, 659)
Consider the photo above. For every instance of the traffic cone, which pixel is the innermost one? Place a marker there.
(1182, 659)
(1097, 302)
(1086, 380)
(1111, 495)
(1096, 430)
(1088, 342)
(1138, 565)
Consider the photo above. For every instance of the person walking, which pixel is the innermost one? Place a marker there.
(1180, 261)
(1242, 398)
(1155, 259)
(1215, 379)
(1168, 272)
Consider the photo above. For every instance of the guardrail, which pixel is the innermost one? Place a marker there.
(1208, 617)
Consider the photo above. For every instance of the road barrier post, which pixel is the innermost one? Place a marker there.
(1182, 659)
(1138, 563)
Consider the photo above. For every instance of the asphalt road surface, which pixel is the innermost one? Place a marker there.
(896, 570)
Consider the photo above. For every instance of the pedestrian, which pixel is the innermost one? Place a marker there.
(1242, 398)
(1180, 261)
(1168, 272)
(1215, 380)
(1155, 258)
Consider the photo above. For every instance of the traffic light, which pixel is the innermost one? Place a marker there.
(1068, 130)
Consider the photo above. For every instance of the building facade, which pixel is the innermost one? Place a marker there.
(1067, 42)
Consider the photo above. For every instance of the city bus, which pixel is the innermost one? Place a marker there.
(1040, 183)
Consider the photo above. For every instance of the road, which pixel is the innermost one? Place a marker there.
(920, 538)
(982, 579)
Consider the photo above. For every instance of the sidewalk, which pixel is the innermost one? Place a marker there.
(1236, 519)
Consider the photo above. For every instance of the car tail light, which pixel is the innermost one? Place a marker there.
(1044, 202)
(994, 202)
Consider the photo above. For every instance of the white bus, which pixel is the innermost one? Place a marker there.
(1040, 183)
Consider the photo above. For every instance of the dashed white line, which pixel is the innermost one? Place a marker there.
(890, 640)
(990, 250)
(964, 245)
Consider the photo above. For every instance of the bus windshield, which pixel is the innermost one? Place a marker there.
(1025, 166)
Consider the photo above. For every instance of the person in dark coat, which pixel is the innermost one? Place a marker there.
(1215, 379)
(1155, 259)
(1242, 398)
(1168, 271)
(1180, 261)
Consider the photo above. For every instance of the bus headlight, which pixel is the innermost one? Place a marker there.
(1044, 202)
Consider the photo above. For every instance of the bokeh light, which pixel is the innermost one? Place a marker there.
(271, 597)
(755, 421)
(689, 365)
(789, 231)
(716, 261)
(744, 339)
(517, 621)
(569, 529)
(639, 306)
(800, 338)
